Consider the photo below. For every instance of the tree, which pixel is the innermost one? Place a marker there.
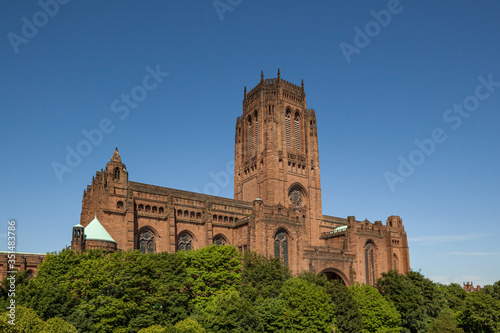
(188, 325)
(262, 277)
(306, 307)
(455, 295)
(434, 298)
(445, 323)
(379, 315)
(58, 325)
(226, 311)
(211, 269)
(480, 314)
(347, 315)
(408, 299)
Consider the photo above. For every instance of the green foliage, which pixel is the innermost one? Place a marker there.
(493, 290)
(445, 323)
(270, 314)
(102, 292)
(58, 325)
(481, 313)
(455, 295)
(188, 325)
(407, 298)
(434, 298)
(155, 329)
(27, 321)
(379, 315)
(306, 307)
(262, 277)
(226, 311)
(211, 269)
(347, 315)
(214, 290)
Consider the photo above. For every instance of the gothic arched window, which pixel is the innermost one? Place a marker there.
(395, 260)
(147, 241)
(219, 240)
(369, 265)
(288, 115)
(296, 130)
(256, 132)
(250, 136)
(184, 242)
(281, 246)
(117, 174)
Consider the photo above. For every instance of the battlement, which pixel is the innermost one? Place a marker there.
(274, 84)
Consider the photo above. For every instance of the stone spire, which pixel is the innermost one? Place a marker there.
(262, 75)
(116, 156)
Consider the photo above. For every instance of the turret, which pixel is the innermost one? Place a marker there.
(78, 239)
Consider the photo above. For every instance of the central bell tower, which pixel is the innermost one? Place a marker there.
(276, 150)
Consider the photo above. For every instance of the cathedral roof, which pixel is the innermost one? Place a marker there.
(96, 231)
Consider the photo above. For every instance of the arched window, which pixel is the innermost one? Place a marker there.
(140, 207)
(296, 129)
(148, 208)
(117, 173)
(179, 213)
(369, 265)
(288, 115)
(395, 260)
(225, 219)
(219, 240)
(256, 132)
(191, 215)
(198, 215)
(119, 205)
(250, 136)
(186, 213)
(153, 210)
(146, 241)
(220, 218)
(161, 210)
(214, 218)
(184, 242)
(281, 246)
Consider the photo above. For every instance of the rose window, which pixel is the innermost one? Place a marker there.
(296, 197)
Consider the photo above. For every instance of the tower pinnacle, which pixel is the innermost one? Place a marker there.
(116, 156)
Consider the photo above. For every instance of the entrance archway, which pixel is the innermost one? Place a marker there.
(335, 275)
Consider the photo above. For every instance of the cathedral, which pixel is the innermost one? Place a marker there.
(276, 210)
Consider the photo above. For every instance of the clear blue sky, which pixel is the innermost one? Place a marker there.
(396, 89)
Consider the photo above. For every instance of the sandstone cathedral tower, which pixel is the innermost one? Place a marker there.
(276, 210)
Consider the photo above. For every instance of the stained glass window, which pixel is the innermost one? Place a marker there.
(184, 242)
(146, 241)
(281, 246)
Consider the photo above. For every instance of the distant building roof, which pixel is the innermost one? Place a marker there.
(96, 231)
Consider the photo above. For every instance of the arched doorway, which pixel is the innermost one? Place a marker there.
(333, 274)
